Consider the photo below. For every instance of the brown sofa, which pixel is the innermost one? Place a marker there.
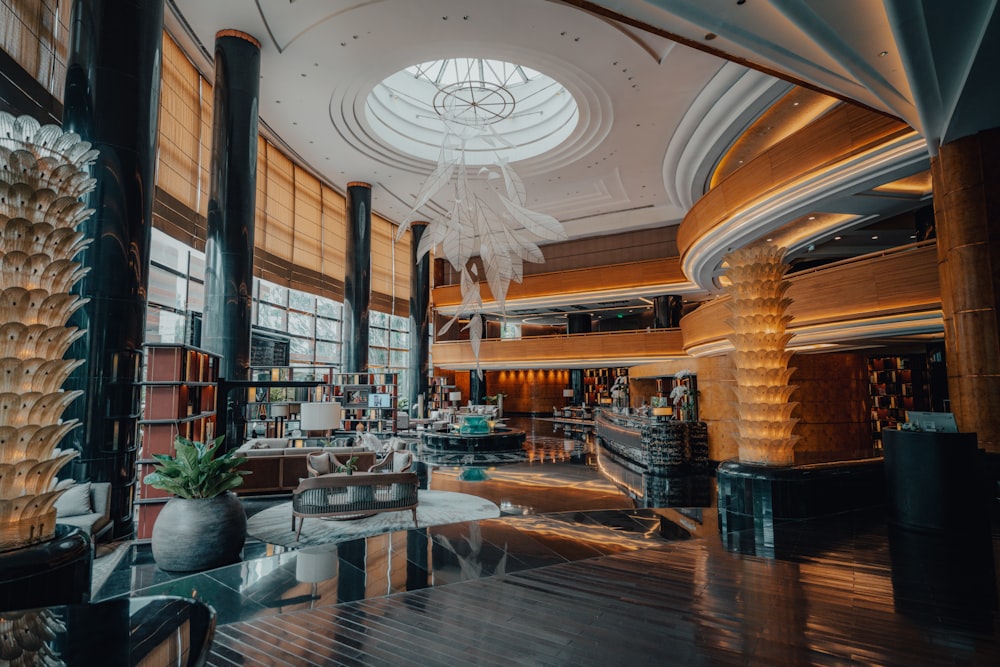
(275, 467)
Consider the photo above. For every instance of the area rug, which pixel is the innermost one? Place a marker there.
(435, 508)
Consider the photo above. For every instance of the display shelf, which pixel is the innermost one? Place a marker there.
(597, 384)
(438, 389)
(896, 384)
(367, 400)
(179, 395)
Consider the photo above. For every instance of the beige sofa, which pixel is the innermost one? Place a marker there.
(277, 467)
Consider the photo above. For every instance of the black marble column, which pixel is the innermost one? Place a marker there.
(477, 388)
(576, 384)
(112, 100)
(667, 311)
(357, 278)
(420, 302)
(232, 194)
(578, 323)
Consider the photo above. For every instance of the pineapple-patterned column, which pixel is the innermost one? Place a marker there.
(42, 177)
(756, 286)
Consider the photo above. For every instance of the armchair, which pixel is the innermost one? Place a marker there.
(87, 505)
(398, 460)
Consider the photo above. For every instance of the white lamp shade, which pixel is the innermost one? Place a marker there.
(279, 410)
(319, 416)
(454, 396)
(568, 393)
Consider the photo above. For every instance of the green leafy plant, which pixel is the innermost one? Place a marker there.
(196, 471)
(350, 466)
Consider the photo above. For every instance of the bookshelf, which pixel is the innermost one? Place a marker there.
(438, 389)
(597, 384)
(368, 399)
(896, 384)
(178, 400)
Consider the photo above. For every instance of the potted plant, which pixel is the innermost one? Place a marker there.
(204, 525)
(349, 466)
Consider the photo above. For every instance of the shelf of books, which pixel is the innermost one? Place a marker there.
(367, 400)
(896, 384)
(178, 400)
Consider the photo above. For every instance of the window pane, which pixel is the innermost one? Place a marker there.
(271, 317)
(272, 293)
(301, 350)
(300, 325)
(329, 308)
(197, 265)
(378, 356)
(168, 252)
(196, 296)
(400, 323)
(327, 353)
(301, 301)
(378, 337)
(164, 326)
(379, 319)
(166, 288)
(398, 358)
(328, 329)
(398, 339)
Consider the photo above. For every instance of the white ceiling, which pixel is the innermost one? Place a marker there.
(655, 114)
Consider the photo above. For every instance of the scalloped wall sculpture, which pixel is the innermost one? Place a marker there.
(43, 174)
(758, 305)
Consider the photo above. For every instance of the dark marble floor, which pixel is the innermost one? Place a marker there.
(573, 574)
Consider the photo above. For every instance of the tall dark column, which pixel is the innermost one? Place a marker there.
(578, 323)
(420, 302)
(112, 100)
(357, 278)
(230, 233)
(477, 388)
(667, 311)
(576, 384)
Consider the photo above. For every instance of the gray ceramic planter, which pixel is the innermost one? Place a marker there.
(200, 534)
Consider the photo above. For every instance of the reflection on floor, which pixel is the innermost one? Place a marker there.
(570, 574)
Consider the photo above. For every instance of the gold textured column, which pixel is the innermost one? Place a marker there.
(43, 174)
(758, 304)
(966, 176)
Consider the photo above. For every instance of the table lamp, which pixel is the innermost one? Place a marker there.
(279, 411)
(323, 416)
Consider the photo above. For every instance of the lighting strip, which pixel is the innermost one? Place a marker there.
(584, 298)
(549, 364)
(768, 215)
(829, 334)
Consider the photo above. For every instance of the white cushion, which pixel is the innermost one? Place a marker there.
(75, 501)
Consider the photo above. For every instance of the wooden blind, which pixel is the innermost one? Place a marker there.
(185, 130)
(307, 250)
(36, 35)
(279, 210)
(390, 261)
(334, 234)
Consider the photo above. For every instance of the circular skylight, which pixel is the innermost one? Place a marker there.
(491, 109)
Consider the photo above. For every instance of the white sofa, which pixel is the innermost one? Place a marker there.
(87, 505)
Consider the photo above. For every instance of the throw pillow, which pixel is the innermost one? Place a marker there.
(75, 501)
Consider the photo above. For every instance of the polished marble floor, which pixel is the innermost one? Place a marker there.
(573, 574)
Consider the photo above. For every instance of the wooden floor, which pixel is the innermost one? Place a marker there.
(842, 591)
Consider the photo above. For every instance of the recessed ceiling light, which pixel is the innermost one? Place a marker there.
(883, 54)
(875, 238)
(837, 238)
(710, 36)
(913, 236)
(769, 240)
(812, 217)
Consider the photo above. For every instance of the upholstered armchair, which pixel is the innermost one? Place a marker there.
(399, 459)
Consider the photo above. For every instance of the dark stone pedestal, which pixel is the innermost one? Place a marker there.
(754, 500)
(54, 572)
(935, 481)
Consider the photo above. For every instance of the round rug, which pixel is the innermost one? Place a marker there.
(435, 508)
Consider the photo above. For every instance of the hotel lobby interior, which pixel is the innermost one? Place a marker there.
(682, 316)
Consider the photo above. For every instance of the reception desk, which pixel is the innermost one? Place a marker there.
(657, 461)
(656, 444)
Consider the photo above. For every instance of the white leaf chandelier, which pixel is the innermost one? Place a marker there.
(489, 214)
